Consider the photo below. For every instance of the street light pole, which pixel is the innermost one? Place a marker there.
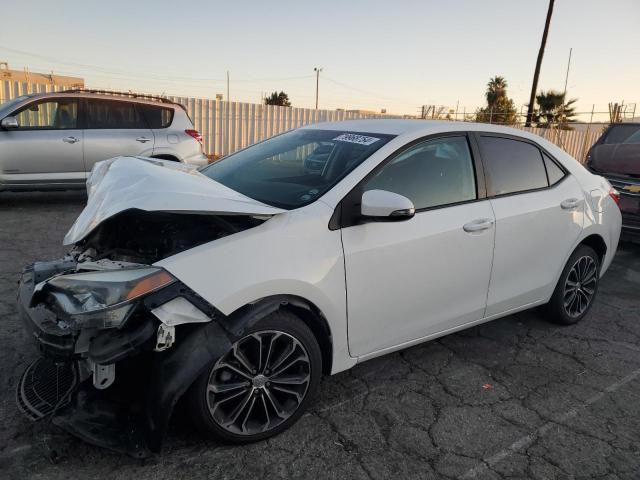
(317, 70)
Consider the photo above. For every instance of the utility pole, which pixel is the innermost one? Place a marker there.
(228, 99)
(566, 81)
(317, 70)
(536, 75)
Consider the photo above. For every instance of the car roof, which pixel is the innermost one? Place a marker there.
(106, 95)
(413, 126)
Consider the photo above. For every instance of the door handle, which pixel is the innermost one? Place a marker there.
(570, 204)
(70, 140)
(478, 225)
(143, 139)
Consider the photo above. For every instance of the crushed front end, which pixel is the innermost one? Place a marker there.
(119, 343)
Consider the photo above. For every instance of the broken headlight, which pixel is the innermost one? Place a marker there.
(103, 299)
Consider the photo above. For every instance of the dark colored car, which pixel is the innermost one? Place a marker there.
(616, 156)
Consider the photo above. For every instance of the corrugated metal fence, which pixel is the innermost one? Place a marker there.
(229, 126)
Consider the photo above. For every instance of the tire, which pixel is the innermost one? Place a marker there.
(577, 287)
(215, 397)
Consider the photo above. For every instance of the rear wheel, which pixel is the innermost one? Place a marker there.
(262, 385)
(576, 288)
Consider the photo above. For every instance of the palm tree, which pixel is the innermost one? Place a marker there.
(496, 89)
(536, 74)
(500, 108)
(554, 110)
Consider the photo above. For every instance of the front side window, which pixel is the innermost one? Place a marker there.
(113, 114)
(511, 166)
(430, 174)
(58, 114)
(297, 167)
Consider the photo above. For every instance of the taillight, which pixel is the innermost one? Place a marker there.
(615, 195)
(195, 134)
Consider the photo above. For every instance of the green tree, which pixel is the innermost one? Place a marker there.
(553, 110)
(500, 108)
(281, 99)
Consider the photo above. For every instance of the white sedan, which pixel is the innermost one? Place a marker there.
(239, 285)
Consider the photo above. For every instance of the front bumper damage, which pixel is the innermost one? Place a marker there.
(117, 387)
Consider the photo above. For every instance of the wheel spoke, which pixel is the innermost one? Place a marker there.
(283, 357)
(568, 302)
(271, 341)
(288, 365)
(240, 356)
(230, 397)
(275, 404)
(289, 391)
(236, 370)
(290, 379)
(266, 413)
(226, 387)
(248, 414)
(239, 408)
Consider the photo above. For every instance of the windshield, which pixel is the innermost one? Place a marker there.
(623, 134)
(7, 107)
(295, 168)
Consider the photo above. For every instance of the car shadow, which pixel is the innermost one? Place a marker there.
(39, 199)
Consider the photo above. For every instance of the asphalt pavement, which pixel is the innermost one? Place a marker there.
(515, 398)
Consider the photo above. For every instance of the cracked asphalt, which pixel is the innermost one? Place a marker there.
(516, 398)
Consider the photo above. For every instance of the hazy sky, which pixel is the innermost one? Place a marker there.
(396, 54)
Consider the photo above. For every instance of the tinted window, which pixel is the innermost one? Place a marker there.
(623, 134)
(433, 173)
(113, 114)
(554, 172)
(156, 117)
(60, 114)
(511, 166)
(297, 167)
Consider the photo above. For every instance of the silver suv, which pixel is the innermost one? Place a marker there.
(52, 140)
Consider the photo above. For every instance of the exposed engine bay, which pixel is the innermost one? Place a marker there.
(146, 237)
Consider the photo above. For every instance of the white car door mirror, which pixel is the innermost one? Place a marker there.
(9, 123)
(386, 205)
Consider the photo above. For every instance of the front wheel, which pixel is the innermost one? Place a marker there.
(262, 385)
(576, 288)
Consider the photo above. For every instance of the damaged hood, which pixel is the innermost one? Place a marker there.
(124, 183)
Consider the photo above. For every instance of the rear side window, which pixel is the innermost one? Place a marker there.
(623, 134)
(554, 172)
(511, 166)
(113, 114)
(430, 174)
(156, 117)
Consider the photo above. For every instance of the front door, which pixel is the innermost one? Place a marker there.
(46, 148)
(114, 128)
(414, 278)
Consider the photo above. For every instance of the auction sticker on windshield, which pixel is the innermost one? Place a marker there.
(354, 138)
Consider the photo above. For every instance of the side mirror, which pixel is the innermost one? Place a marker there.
(8, 123)
(382, 204)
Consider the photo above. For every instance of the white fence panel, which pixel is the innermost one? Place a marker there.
(230, 126)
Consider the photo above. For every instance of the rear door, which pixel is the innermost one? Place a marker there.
(539, 211)
(114, 128)
(46, 148)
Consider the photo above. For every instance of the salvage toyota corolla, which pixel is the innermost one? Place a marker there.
(234, 288)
